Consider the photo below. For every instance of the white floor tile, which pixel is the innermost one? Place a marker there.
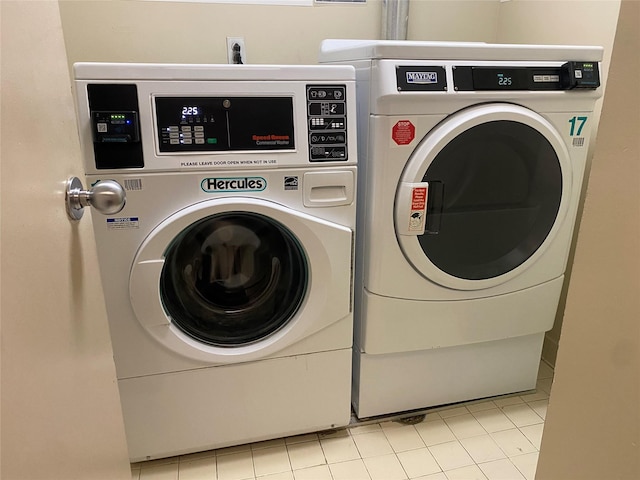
(435, 476)
(493, 420)
(403, 438)
(533, 397)
(526, 464)
(544, 385)
(482, 449)
(232, 450)
(522, 415)
(235, 466)
(307, 454)
(309, 437)
(451, 455)
(472, 472)
(372, 444)
(453, 411)
(434, 432)
(534, 434)
(339, 449)
(385, 467)
(342, 432)
(374, 427)
(545, 371)
(319, 472)
(268, 444)
(513, 442)
(197, 469)
(464, 426)
(168, 471)
(504, 401)
(278, 476)
(540, 407)
(197, 456)
(352, 470)
(267, 461)
(479, 407)
(501, 470)
(418, 463)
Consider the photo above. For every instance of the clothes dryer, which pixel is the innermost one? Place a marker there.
(228, 274)
(472, 164)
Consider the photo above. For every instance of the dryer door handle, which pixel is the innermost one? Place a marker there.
(435, 204)
(411, 208)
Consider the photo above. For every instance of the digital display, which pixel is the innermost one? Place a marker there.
(500, 78)
(190, 110)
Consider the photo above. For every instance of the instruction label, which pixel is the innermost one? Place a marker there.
(123, 223)
(418, 208)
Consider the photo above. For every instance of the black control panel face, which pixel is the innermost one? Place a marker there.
(327, 122)
(223, 124)
(566, 77)
(115, 125)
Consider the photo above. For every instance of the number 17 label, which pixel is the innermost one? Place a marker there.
(577, 124)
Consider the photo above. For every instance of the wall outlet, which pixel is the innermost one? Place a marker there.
(236, 52)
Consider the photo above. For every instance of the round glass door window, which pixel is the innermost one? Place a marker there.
(494, 195)
(233, 278)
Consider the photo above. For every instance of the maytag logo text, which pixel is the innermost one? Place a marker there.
(422, 77)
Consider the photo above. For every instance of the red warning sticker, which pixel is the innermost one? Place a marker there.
(419, 198)
(403, 132)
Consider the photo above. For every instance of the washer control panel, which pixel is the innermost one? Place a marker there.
(253, 123)
(327, 119)
(223, 124)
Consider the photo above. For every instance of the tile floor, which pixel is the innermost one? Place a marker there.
(495, 439)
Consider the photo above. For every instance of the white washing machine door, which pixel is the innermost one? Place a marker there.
(236, 279)
(482, 196)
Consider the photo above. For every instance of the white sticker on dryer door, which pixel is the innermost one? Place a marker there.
(122, 223)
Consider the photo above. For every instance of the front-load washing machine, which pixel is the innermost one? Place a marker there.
(228, 273)
(472, 163)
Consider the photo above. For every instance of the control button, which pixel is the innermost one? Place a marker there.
(186, 134)
(173, 129)
(186, 128)
(212, 141)
(198, 128)
(199, 141)
(199, 134)
(174, 135)
(174, 141)
(187, 141)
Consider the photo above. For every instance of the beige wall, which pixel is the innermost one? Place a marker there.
(61, 415)
(143, 31)
(592, 430)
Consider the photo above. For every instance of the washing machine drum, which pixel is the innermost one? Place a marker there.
(233, 278)
(498, 182)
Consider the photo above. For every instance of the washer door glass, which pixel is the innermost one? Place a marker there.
(495, 194)
(233, 278)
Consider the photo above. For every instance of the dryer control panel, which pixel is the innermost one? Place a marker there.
(566, 77)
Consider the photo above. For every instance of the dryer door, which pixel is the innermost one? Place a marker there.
(499, 181)
(235, 279)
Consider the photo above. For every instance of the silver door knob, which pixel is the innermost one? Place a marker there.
(107, 197)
